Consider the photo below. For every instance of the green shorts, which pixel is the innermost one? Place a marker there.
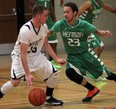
(87, 61)
(50, 23)
(95, 41)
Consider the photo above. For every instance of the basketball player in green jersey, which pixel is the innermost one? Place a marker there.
(80, 58)
(89, 11)
(50, 22)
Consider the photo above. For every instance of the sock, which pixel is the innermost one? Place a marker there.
(49, 91)
(6, 87)
(89, 86)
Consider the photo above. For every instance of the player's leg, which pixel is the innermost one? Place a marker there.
(49, 74)
(8, 86)
(75, 71)
(79, 79)
(97, 45)
(96, 67)
(111, 75)
(98, 49)
(17, 73)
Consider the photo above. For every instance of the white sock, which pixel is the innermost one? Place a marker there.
(6, 87)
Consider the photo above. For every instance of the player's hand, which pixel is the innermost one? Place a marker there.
(108, 33)
(61, 61)
(29, 80)
(105, 33)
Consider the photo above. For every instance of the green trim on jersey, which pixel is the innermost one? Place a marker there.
(49, 22)
(75, 36)
(91, 15)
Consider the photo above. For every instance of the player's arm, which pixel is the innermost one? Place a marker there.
(50, 51)
(90, 28)
(103, 33)
(52, 12)
(50, 33)
(55, 28)
(109, 8)
(23, 49)
(86, 6)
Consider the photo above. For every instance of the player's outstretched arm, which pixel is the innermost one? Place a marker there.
(87, 4)
(109, 8)
(103, 33)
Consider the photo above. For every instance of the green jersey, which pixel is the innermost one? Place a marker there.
(45, 3)
(75, 36)
(91, 15)
(49, 22)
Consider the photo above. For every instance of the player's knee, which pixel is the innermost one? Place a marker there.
(51, 82)
(15, 82)
(74, 76)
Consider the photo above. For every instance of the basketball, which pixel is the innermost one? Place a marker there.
(37, 96)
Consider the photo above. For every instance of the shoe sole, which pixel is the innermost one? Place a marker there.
(50, 104)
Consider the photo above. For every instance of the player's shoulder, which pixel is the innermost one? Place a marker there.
(60, 21)
(83, 22)
(26, 26)
(44, 25)
(25, 29)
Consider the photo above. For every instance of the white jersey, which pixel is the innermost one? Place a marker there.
(31, 36)
(37, 62)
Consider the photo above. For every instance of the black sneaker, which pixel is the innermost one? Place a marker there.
(112, 77)
(53, 101)
(1, 94)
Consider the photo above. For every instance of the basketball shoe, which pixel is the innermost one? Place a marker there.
(102, 79)
(1, 94)
(53, 101)
(55, 64)
(112, 77)
(91, 94)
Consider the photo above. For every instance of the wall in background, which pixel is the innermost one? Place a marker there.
(8, 36)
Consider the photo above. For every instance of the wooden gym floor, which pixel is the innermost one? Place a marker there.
(69, 92)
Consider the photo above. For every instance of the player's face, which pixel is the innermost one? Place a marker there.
(43, 17)
(69, 14)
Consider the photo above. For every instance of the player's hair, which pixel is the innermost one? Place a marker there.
(38, 9)
(72, 5)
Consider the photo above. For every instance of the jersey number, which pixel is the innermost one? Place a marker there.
(74, 42)
(33, 49)
(45, 4)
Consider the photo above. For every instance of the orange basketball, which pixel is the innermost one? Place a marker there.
(37, 96)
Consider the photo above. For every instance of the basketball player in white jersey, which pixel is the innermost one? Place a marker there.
(27, 58)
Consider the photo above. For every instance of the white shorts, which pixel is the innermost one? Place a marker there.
(39, 64)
